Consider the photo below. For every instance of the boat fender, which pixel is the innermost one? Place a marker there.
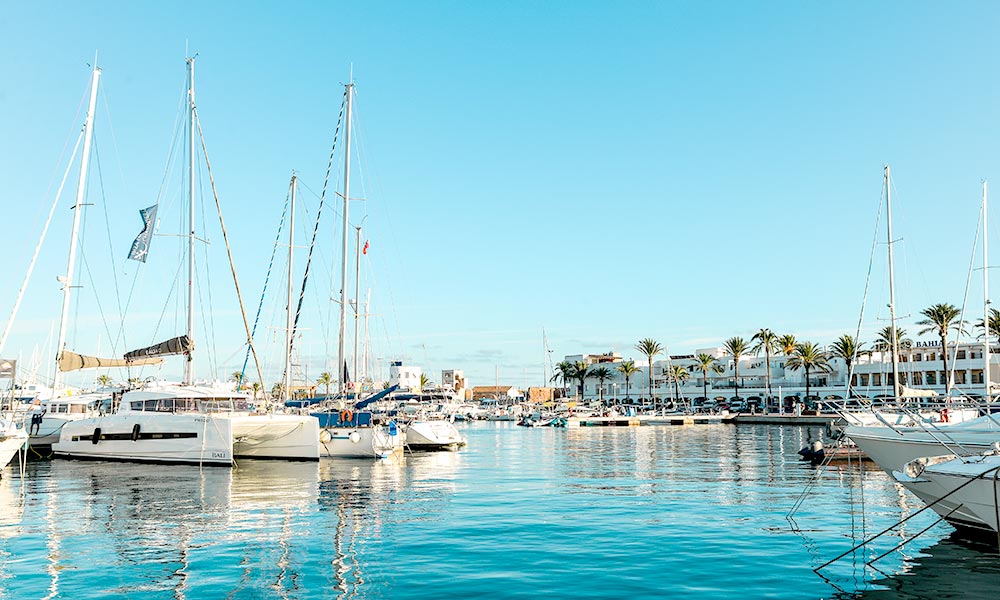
(325, 436)
(135, 432)
(355, 437)
(393, 430)
(944, 415)
(96, 437)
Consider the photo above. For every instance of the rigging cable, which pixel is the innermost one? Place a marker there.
(319, 212)
(267, 278)
(229, 251)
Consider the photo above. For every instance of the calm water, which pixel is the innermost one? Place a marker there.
(694, 512)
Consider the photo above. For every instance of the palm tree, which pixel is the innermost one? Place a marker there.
(650, 348)
(627, 369)
(736, 347)
(580, 369)
(846, 347)
(883, 341)
(994, 324)
(787, 343)
(104, 380)
(277, 390)
(677, 374)
(424, 381)
(808, 356)
(255, 387)
(325, 379)
(237, 377)
(600, 374)
(939, 319)
(765, 340)
(563, 372)
(705, 363)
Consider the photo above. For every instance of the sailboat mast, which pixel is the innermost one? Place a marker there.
(357, 304)
(343, 264)
(368, 299)
(288, 312)
(986, 296)
(892, 288)
(67, 280)
(189, 362)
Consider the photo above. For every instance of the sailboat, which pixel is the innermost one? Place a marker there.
(909, 453)
(187, 423)
(347, 430)
(61, 405)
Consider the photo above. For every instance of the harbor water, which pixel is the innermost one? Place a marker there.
(612, 512)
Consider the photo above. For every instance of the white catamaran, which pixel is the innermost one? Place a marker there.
(187, 423)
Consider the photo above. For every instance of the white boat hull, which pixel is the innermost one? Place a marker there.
(891, 450)
(11, 441)
(359, 442)
(283, 437)
(183, 438)
(964, 493)
(433, 435)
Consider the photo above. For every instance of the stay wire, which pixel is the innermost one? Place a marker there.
(267, 279)
(319, 212)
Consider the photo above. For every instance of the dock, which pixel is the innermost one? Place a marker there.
(779, 419)
(700, 419)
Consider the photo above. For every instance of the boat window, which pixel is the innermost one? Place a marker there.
(77, 409)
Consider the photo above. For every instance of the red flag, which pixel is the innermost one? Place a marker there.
(365, 249)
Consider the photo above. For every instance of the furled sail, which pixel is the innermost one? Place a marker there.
(908, 392)
(71, 361)
(178, 345)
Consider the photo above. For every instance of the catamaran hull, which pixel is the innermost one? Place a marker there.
(359, 442)
(278, 437)
(194, 439)
(433, 435)
(48, 433)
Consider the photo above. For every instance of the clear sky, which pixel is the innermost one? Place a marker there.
(607, 171)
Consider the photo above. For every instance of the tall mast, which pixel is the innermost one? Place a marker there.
(189, 363)
(357, 306)
(343, 264)
(986, 296)
(67, 280)
(368, 299)
(892, 289)
(289, 312)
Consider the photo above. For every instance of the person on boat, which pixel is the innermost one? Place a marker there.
(37, 412)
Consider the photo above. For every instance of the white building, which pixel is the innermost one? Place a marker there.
(920, 367)
(406, 377)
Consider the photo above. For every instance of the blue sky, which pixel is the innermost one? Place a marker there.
(682, 171)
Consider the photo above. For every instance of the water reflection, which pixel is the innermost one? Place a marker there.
(520, 513)
(952, 568)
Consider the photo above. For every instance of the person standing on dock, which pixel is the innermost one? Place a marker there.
(37, 412)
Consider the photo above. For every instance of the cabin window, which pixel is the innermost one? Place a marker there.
(77, 409)
(960, 376)
(876, 379)
(977, 376)
(960, 355)
(931, 378)
(864, 379)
